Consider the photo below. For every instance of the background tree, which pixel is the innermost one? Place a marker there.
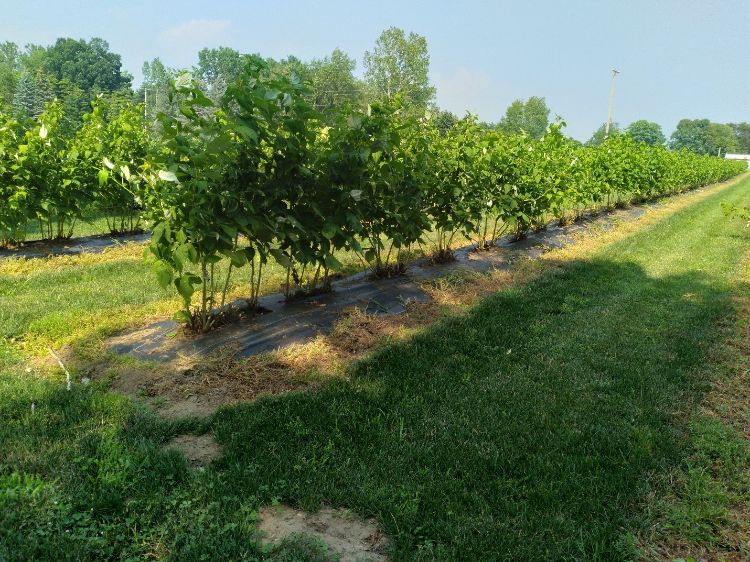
(75, 102)
(73, 71)
(32, 58)
(693, 135)
(333, 82)
(445, 121)
(646, 131)
(531, 117)
(399, 64)
(90, 65)
(10, 69)
(287, 69)
(722, 138)
(598, 137)
(217, 63)
(32, 92)
(742, 134)
(33, 87)
(218, 67)
(154, 90)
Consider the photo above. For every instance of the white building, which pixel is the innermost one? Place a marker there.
(730, 156)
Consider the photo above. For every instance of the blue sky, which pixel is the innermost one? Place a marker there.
(677, 58)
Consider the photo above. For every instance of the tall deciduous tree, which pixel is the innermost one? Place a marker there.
(742, 134)
(531, 117)
(155, 88)
(445, 121)
(33, 58)
(90, 65)
(290, 68)
(10, 67)
(74, 71)
(722, 139)
(399, 65)
(222, 62)
(75, 102)
(693, 135)
(333, 83)
(217, 68)
(646, 131)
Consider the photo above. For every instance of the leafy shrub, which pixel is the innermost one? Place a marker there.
(46, 175)
(373, 157)
(253, 176)
(12, 200)
(113, 145)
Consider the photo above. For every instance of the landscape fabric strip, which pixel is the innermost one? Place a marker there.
(283, 323)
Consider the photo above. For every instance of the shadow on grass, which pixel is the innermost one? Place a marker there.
(526, 429)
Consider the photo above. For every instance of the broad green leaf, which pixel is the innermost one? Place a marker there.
(332, 262)
(238, 258)
(281, 258)
(184, 285)
(164, 274)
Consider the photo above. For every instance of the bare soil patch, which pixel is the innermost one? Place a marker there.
(345, 534)
(199, 450)
(220, 379)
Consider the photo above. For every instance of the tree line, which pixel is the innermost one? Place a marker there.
(696, 135)
(78, 71)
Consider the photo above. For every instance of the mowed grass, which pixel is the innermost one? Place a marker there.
(95, 224)
(80, 299)
(536, 426)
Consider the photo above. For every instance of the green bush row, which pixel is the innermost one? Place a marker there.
(54, 177)
(258, 176)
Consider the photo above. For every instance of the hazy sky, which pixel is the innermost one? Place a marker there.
(677, 58)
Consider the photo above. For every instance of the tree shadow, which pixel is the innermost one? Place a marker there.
(531, 426)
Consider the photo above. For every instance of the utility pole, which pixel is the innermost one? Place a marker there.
(611, 101)
(145, 100)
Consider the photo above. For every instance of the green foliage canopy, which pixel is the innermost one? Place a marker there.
(646, 131)
(530, 116)
(399, 65)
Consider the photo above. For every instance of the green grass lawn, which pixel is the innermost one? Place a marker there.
(91, 225)
(535, 427)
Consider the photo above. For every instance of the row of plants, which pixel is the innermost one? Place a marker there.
(51, 177)
(259, 175)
